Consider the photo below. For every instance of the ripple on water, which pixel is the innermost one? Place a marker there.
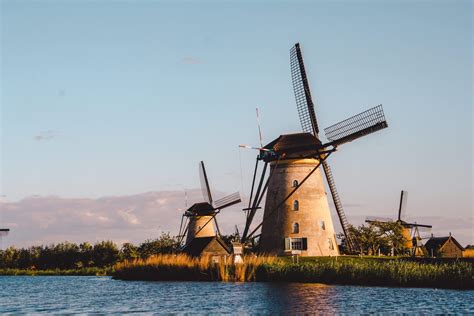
(68, 294)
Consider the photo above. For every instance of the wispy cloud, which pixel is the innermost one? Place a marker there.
(191, 61)
(45, 135)
(135, 218)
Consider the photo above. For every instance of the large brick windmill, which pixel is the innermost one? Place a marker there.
(297, 217)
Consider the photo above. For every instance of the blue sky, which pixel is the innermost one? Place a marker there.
(116, 98)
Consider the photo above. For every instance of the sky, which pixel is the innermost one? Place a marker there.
(119, 100)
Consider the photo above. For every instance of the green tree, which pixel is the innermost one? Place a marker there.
(128, 251)
(229, 239)
(9, 258)
(164, 244)
(86, 253)
(66, 255)
(105, 253)
(377, 236)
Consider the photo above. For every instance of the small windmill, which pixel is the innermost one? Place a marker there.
(410, 231)
(201, 217)
(296, 217)
(3, 232)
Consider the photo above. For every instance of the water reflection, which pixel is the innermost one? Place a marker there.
(301, 298)
(104, 295)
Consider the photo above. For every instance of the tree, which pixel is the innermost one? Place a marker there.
(86, 254)
(377, 236)
(105, 253)
(9, 258)
(229, 239)
(66, 255)
(164, 244)
(128, 251)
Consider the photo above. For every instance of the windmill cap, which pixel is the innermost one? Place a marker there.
(295, 145)
(200, 209)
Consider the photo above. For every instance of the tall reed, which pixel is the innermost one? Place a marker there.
(183, 267)
(454, 274)
(355, 271)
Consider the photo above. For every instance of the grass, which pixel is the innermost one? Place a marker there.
(373, 272)
(336, 270)
(183, 268)
(57, 272)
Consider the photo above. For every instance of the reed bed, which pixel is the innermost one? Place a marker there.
(454, 274)
(181, 267)
(345, 271)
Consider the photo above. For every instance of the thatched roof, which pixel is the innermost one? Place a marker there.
(436, 243)
(198, 245)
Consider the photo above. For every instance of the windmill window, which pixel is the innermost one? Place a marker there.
(295, 183)
(296, 243)
(323, 225)
(296, 205)
(296, 228)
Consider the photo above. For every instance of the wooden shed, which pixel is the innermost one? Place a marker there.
(213, 246)
(445, 247)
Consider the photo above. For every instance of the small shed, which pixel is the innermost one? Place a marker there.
(213, 246)
(468, 252)
(445, 247)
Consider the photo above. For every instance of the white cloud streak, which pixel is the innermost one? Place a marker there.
(135, 218)
(45, 135)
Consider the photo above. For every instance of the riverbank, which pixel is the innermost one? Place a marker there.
(453, 274)
(58, 272)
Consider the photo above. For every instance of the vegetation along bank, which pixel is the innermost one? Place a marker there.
(455, 274)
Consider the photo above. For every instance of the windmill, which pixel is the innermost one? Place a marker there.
(410, 231)
(199, 221)
(3, 232)
(296, 217)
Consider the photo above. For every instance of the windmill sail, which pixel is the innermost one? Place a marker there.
(338, 205)
(403, 205)
(206, 190)
(419, 225)
(304, 102)
(227, 201)
(377, 219)
(357, 126)
(309, 124)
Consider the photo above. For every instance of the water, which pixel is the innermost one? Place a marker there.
(49, 294)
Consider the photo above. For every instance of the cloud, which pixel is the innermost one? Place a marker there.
(129, 217)
(135, 218)
(191, 61)
(45, 135)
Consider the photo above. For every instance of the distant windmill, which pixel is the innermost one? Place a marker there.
(297, 218)
(3, 232)
(201, 217)
(411, 231)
